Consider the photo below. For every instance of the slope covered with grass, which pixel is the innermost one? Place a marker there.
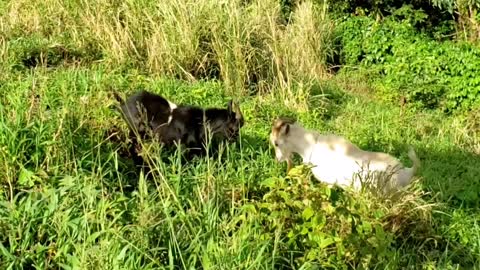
(70, 198)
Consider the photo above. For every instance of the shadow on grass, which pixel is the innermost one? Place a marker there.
(452, 174)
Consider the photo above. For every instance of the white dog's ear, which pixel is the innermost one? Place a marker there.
(281, 126)
(287, 128)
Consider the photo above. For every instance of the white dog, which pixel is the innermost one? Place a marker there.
(338, 161)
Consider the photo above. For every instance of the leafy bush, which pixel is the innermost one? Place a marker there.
(428, 73)
(433, 17)
(323, 227)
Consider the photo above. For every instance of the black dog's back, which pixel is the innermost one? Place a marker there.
(145, 110)
(183, 126)
(148, 115)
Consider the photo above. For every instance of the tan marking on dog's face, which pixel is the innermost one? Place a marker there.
(278, 137)
(275, 133)
(278, 124)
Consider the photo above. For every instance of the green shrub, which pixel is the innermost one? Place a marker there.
(406, 63)
(426, 16)
(323, 227)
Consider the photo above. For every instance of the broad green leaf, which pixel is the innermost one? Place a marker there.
(307, 213)
(26, 178)
(269, 182)
(326, 242)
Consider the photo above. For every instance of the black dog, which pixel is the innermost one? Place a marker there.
(150, 116)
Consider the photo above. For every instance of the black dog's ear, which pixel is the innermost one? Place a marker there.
(234, 108)
(230, 105)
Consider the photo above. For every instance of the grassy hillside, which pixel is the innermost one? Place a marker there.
(70, 198)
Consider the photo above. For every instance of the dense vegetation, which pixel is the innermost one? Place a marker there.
(431, 74)
(385, 75)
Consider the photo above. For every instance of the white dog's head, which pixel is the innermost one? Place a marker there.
(279, 138)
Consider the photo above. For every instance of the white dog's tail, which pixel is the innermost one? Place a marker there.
(413, 157)
(405, 175)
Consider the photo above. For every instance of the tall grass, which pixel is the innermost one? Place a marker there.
(70, 200)
(247, 44)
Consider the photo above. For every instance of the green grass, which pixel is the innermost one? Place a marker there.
(70, 198)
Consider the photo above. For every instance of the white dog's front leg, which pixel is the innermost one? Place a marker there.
(289, 165)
